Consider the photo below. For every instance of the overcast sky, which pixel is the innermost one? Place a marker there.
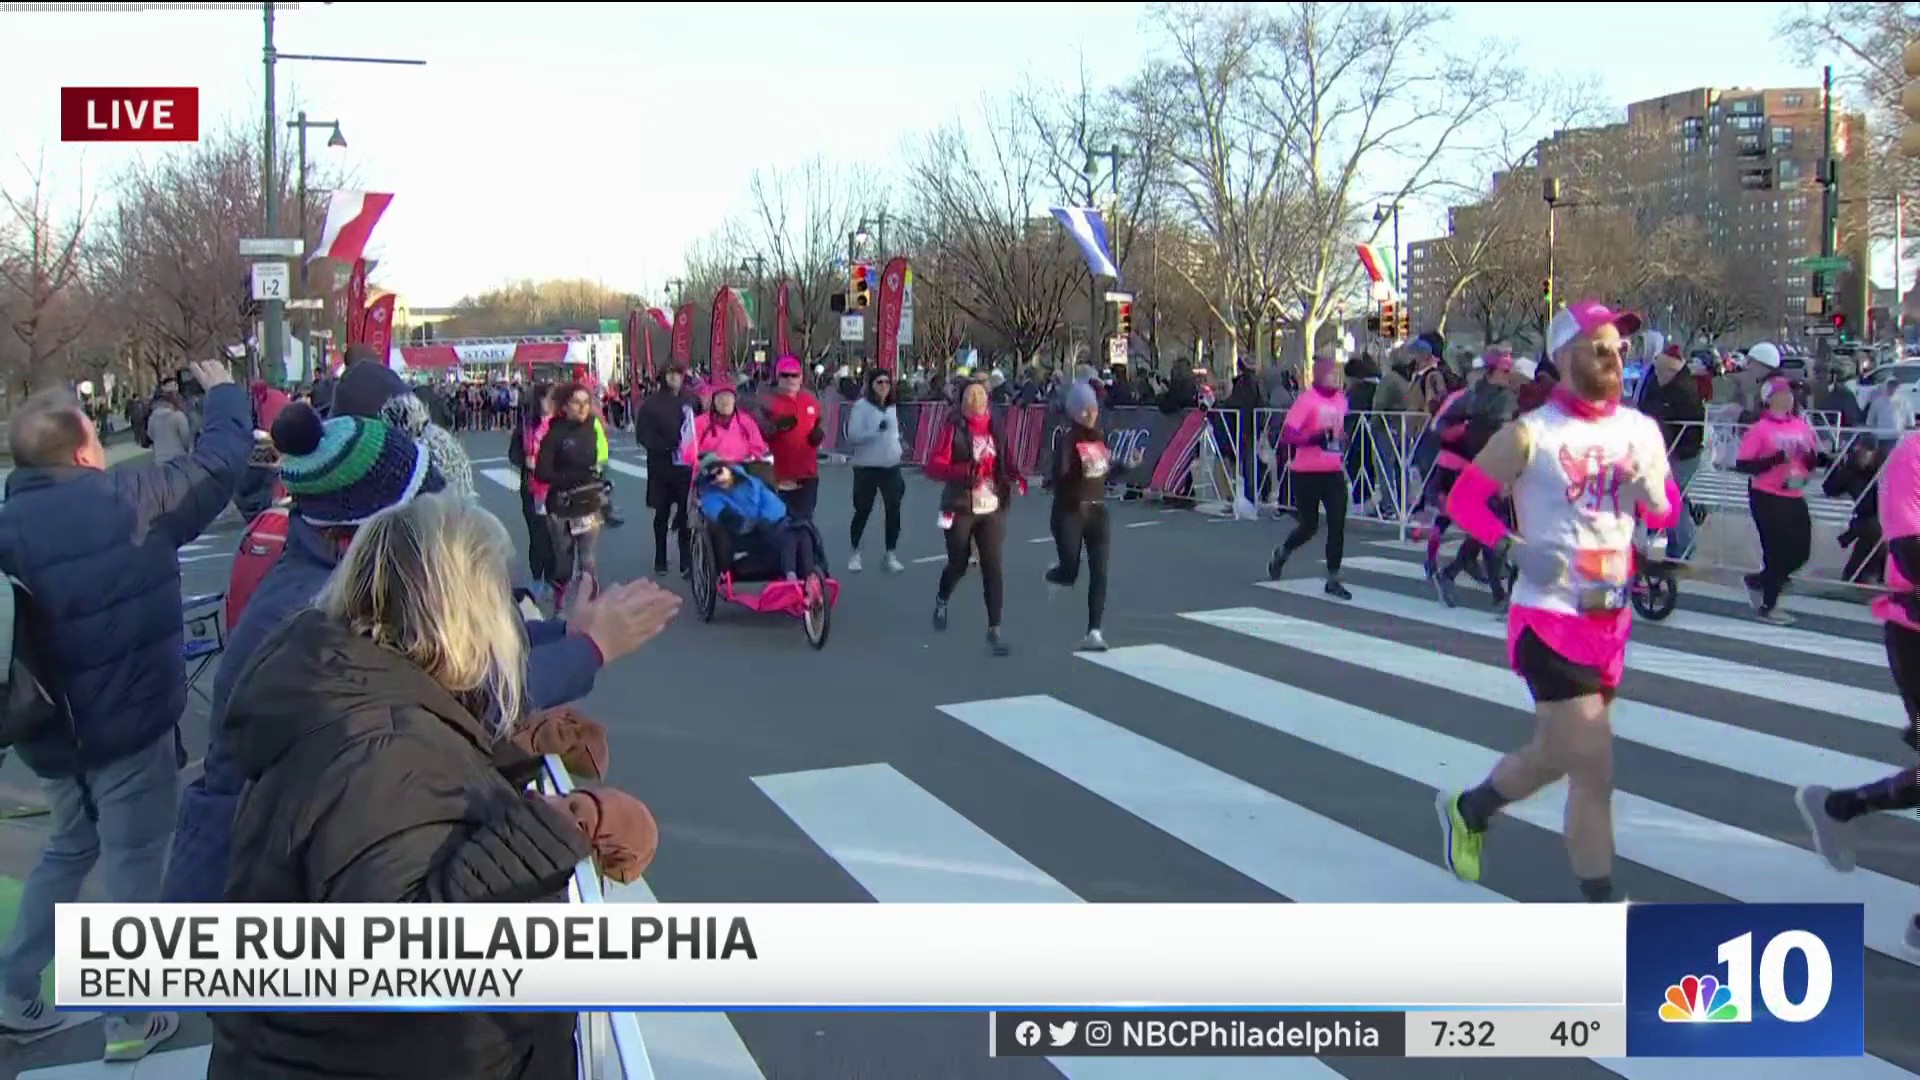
(599, 140)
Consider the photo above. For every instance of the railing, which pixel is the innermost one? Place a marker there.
(610, 1047)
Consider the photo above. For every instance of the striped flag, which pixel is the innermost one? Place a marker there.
(351, 216)
(1377, 268)
(1090, 232)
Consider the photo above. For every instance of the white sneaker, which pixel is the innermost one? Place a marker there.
(1756, 598)
(1778, 617)
(854, 565)
(1093, 642)
(131, 1042)
(23, 1016)
(894, 565)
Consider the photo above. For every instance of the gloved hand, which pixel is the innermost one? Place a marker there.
(817, 436)
(618, 827)
(580, 741)
(786, 424)
(1538, 565)
(731, 520)
(1325, 439)
(884, 424)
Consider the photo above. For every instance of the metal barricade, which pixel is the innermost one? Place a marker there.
(1383, 485)
(610, 1046)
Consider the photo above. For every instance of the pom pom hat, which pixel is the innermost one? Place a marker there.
(343, 471)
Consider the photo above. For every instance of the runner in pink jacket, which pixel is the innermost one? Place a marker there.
(1778, 454)
(1316, 429)
(724, 430)
(1830, 815)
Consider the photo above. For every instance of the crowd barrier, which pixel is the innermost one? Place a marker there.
(610, 1046)
(1387, 489)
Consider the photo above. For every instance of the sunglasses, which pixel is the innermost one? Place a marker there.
(789, 374)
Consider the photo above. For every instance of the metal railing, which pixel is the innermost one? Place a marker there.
(1388, 489)
(610, 1046)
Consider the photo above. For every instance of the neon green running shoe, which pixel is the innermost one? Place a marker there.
(1462, 844)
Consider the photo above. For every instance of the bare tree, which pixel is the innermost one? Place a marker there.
(538, 307)
(799, 221)
(1007, 263)
(42, 263)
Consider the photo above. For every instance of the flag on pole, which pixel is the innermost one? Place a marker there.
(351, 216)
(1089, 230)
(1376, 268)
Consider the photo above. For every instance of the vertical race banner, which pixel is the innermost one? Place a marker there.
(682, 349)
(655, 317)
(718, 357)
(357, 303)
(893, 291)
(379, 327)
(636, 333)
(782, 332)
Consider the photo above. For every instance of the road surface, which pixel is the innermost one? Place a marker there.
(1245, 741)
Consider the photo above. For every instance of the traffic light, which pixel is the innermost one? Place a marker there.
(1839, 325)
(1125, 320)
(1910, 100)
(862, 286)
(1373, 325)
(1406, 324)
(1546, 290)
(1389, 323)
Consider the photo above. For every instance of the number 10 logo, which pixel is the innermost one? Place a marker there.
(1705, 999)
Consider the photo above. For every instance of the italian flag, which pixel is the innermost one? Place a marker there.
(1373, 264)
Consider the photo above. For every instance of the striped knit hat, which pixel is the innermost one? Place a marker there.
(343, 471)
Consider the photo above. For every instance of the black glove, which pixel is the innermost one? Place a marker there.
(1325, 439)
(785, 424)
(817, 436)
(884, 424)
(732, 521)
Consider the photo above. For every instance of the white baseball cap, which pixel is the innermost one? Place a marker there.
(1584, 318)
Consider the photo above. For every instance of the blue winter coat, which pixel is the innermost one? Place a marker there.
(560, 668)
(754, 501)
(100, 550)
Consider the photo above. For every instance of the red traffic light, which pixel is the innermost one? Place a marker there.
(1839, 321)
(860, 273)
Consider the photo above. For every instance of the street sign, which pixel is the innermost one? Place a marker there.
(1117, 352)
(1119, 297)
(1821, 264)
(291, 247)
(270, 281)
(853, 328)
(306, 303)
(1819, 330)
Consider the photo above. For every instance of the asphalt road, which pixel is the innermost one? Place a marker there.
(1244, 742)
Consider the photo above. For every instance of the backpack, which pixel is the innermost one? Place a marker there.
(34, 704)
(260, 548)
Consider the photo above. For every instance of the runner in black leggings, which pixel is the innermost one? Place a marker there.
(1082, 468)
(971, 460)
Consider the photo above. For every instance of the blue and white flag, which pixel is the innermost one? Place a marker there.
(1090, 232)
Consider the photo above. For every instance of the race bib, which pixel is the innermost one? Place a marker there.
(1795, 481)
(1094, 459)
(581, 525)
(985, 501)
(1600, 579)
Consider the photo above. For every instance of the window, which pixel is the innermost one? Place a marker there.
(1789, 169)
(1792, 101)
(1783, 138)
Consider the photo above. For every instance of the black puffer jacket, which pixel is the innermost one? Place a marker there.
(371, 784)
(569, 458)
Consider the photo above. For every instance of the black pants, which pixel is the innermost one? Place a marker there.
(667, 486)
(1074, 527)
(1866, 557)
(1312, 493)
(987, 534)
(539, 540)
(573, 554)
(1786, 542)
(887, 483)
(803, 500)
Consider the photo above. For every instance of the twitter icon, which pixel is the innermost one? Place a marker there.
(1062, 1034)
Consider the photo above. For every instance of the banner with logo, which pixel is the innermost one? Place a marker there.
(636, 333)
(782, 331)
(718, 357)
(893, 291)
(379, 327)
(682, 353)
(357, 303)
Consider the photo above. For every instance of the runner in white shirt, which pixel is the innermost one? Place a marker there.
(1580, 469)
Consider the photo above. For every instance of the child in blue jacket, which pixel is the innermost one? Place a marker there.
(747, 512)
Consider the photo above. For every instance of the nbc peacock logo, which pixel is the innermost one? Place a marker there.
(1699, 999)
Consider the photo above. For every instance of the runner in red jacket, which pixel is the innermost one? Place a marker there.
(794, 417)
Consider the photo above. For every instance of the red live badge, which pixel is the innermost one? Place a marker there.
(129, 114)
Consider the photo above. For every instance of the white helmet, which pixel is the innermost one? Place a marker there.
(1765, 354)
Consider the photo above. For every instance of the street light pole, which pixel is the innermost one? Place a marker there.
(301, 125)
(1550, 192)
(276, 313)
